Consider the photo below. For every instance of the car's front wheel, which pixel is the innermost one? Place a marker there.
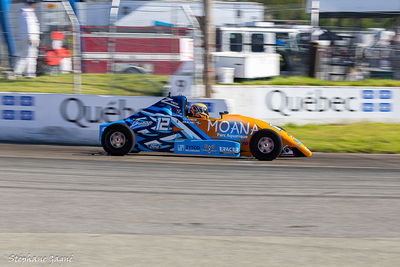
(118, 139)
(266, 145)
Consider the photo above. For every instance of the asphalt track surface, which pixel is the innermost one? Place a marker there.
(77, 206)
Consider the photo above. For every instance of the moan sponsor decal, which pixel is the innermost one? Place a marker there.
(232, 129)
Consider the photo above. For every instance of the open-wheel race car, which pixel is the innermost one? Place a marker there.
(167, 126)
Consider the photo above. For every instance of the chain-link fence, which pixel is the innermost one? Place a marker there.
(150, 42)
(352, 45)
(354, 63)
(144, 43)
(52, 56)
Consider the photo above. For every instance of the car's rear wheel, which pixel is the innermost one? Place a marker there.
(118, 139)
(266, 145)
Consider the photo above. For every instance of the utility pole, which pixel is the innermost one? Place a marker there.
(209, 47)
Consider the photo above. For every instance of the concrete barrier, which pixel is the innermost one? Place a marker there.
(74, 119)
(70, 119)
(312, 105)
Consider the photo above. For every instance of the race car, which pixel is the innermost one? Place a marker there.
(167, 126)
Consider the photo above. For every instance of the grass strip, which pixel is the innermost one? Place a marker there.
(371, 138)
(306, 81)
(91, 84)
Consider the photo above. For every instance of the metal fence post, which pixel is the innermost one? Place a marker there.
(76, 39)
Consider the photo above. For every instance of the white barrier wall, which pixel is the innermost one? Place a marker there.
(74, 119)
(313, 105)
(71, 119)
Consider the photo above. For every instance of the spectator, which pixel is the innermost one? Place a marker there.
(29, 31)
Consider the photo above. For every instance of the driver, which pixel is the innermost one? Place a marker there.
(199, 110)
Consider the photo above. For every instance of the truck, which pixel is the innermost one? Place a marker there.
(144, 50)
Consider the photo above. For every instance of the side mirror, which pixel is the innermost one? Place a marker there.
(223, 113)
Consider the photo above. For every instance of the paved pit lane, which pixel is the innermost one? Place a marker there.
(76, 206)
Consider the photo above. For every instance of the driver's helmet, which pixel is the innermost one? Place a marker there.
(199, 110)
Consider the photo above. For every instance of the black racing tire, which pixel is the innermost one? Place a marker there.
(266, 145)
(118, 139)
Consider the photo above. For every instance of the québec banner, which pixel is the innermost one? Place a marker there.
(71, 119)
(313, 105)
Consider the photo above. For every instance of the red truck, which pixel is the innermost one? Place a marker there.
(147, 50)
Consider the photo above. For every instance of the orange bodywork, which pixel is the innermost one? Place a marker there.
(240, 128)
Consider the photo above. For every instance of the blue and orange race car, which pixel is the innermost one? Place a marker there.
(167, 127)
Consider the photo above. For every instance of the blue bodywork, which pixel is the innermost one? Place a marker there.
(164, 127)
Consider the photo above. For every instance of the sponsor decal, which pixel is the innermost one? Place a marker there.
(221, 148)
(75, 111)
(192, 148)
(154, 146)
(193, 120)
(275, 127)
(228, 150)
(185, 120)
(140, 123)
(231, 129)
(279, 102)
(209, 148)
(287, 151)
(170, 101)
(143, 122)
(296, 141)
(210, 106)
